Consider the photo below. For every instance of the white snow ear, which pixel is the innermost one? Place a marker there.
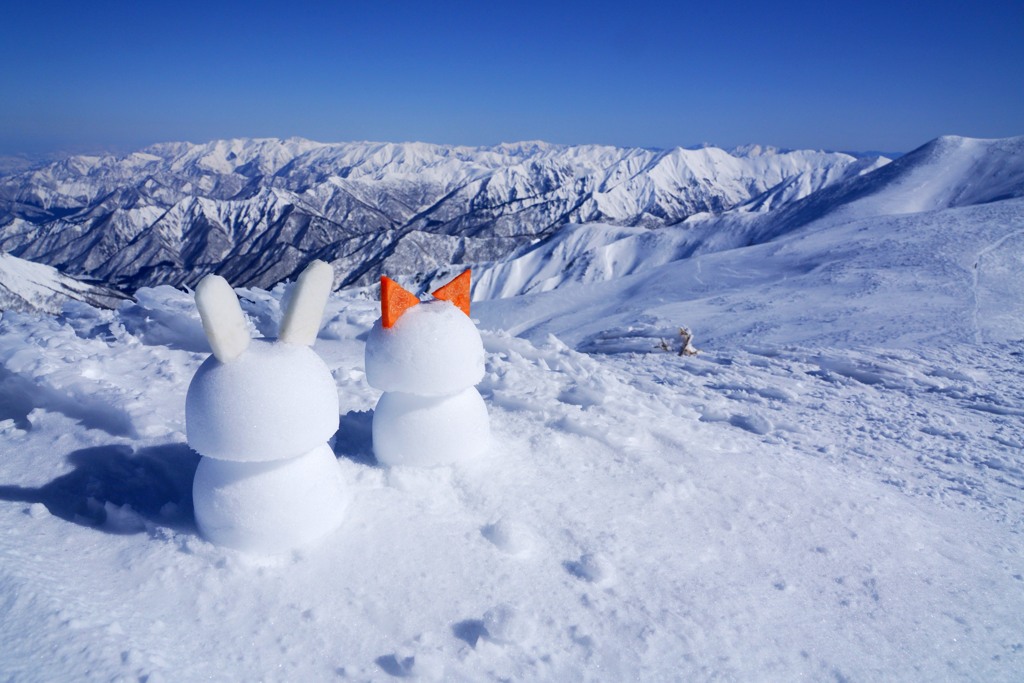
(301, 320)
(222, 318)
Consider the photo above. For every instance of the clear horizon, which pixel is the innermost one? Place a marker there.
(869, 76)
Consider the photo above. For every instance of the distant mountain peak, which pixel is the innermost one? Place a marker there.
(754, 150)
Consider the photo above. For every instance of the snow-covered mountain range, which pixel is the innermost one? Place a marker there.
(946, 173)
(256, 211)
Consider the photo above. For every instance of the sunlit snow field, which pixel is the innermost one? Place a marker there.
(833, 489)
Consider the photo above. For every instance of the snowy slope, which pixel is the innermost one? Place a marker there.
(832, 490)
(945, 173)
(27, 286)
(932, 277)
(258, 210)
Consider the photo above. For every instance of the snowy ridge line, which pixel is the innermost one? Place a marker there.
(27, 286)
(255, 211)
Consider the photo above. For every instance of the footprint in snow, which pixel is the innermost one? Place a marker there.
(420, 657)
(594, 568)
(502, 625)
(505, 624)
(510, 537)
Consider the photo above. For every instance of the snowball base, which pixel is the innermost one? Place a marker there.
(269, 507)
(428, 430)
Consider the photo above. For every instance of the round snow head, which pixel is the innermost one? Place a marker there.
(275, 401)
(430, 430)
(269, 507)
(434, 349)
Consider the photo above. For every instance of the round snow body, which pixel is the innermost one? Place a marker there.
(430, 430)
(434, 349)
(275, 401)
(269, 507)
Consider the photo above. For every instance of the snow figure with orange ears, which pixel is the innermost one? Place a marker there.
(427, 358)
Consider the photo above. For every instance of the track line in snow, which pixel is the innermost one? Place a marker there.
(979, 336)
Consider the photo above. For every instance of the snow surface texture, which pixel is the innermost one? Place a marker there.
(427, 364)
(832, 490)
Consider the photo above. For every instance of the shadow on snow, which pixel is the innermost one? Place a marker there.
(354, 438)
(155, 482)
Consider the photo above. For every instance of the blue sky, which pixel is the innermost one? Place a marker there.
(869, 75)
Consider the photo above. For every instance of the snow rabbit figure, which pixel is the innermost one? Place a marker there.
(261, 412)
(427, 358)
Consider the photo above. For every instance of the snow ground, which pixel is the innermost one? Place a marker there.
(790, 509)
(832, 490)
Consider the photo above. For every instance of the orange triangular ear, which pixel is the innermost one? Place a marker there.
(456, 291)
(394, 301)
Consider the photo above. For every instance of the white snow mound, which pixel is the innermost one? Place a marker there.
(269, 507)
